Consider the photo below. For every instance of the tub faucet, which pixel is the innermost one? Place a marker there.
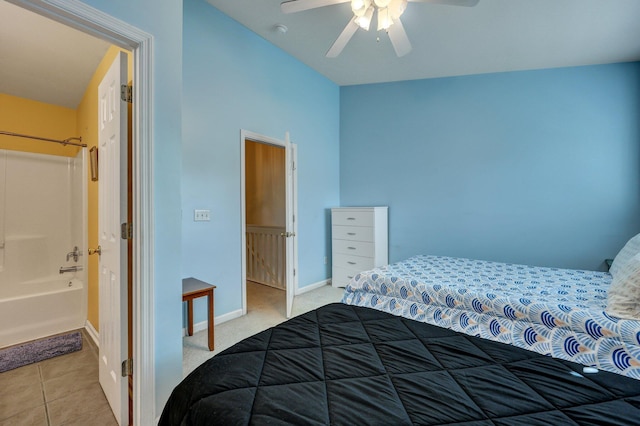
(74, 268)
(75, 253)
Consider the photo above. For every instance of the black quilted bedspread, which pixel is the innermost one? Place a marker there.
(347, 365)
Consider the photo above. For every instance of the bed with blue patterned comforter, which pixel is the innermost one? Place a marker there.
(556, 312)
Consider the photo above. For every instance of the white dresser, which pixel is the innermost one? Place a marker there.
(359, 241)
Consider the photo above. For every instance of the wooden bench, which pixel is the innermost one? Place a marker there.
(193, 288)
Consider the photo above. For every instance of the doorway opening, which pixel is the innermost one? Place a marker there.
(269, 207)
(101, 25)
(265, 221)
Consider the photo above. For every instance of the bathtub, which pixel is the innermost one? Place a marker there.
(40, 308)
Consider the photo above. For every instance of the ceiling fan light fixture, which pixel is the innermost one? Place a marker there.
(360, 7)
(364, 21)
(384, 19)
(382, 3)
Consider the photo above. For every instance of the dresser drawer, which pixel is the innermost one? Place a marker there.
(353, 233)
(342, 276)
(355, 248)
(358, 263)
(352, 218)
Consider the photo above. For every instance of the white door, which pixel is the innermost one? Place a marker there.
(112, 211)
(291, 223)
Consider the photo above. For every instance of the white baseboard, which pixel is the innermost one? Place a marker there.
(95, 336)
(313, 286)
(199, 326)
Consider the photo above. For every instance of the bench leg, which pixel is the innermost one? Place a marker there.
(210, 320)
(190, 317)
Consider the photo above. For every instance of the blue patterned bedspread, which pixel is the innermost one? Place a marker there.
(556, 312)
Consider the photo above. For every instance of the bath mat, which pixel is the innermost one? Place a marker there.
(39, 350)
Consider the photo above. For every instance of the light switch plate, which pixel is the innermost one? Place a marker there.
(201, 215)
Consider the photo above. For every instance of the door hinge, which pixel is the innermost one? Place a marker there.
(127, 367)
(294, 272)
(126, 231)
(126, 93)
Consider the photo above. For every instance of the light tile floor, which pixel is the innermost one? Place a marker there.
(59, 391)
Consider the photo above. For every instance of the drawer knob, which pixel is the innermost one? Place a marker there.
(351, 218)
(351, 263)
(351, 248)
(349, 276)
(351, 233)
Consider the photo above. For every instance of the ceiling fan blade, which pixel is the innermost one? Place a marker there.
(293, 6)
(343, 38)
(399, 39)
(466, 3)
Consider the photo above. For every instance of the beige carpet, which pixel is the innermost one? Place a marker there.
(265, 308)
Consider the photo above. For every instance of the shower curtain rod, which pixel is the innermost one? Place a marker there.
(63, 142)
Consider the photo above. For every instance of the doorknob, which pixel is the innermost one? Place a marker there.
(287, 234)
(95, 250)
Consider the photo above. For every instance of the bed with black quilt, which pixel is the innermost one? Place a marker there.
(351, 365)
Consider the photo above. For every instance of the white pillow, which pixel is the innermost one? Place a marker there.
(623, 297)
(628, 251)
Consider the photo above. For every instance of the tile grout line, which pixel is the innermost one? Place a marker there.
(44, 395)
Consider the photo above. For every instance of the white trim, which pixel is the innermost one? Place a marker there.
(78, 15)
(227, 317)
(257, 137)
(313, 286)
(203, 325)
(294, 202)
(95, 336)
(144, 390)
(243, 223)
(290, 243)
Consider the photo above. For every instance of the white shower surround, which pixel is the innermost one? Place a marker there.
(44, 217)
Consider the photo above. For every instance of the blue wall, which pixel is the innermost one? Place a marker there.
(235, 80)
(536, 167)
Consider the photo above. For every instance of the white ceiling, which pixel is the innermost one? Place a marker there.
(43, 60)
(494, 36)
(49, 62)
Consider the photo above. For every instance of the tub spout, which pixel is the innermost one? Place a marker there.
(64, 269)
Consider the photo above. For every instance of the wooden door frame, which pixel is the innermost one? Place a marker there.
(78, 15)
(255, 137)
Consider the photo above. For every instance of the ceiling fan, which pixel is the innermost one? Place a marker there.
(388, 15)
